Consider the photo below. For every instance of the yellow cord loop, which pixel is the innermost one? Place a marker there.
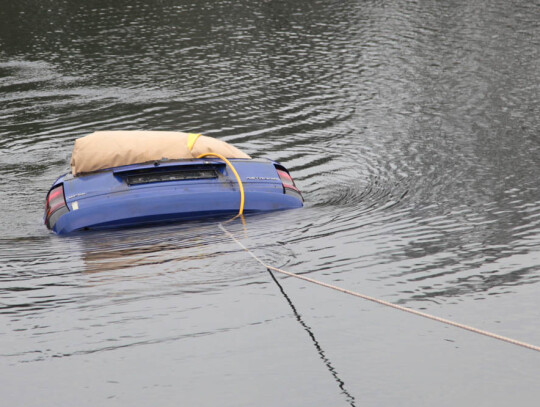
(192, 138)
(242, 197)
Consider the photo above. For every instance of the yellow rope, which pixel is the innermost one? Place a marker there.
(240, 185)
(192, 138)
(382, 302)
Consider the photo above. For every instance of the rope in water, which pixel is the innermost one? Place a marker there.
(382, 302)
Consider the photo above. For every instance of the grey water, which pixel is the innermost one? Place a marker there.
(413, 130)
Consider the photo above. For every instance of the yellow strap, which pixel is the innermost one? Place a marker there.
(192, 138)
(242, 198)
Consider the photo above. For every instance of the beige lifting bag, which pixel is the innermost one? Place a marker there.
(107, 149)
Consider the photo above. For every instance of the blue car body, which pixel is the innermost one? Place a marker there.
(167, 191)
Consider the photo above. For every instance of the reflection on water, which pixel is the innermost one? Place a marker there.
(411, 128)
(320, 350)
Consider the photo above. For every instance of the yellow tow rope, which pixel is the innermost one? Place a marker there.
(192, 138)
(191, 141)
(240, 185)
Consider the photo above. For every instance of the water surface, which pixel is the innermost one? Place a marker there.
(413, 129)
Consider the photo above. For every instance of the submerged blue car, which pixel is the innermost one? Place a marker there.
(135, 178)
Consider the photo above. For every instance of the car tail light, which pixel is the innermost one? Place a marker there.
(55, 206)
(289, 187)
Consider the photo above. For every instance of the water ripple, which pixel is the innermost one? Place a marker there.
(411, 129)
